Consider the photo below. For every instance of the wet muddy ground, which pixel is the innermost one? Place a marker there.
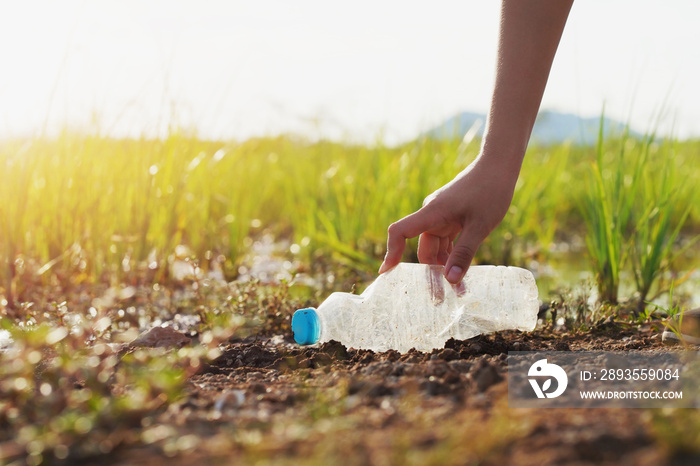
(269, 401)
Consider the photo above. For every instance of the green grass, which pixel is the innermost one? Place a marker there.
(85, 215)
(634, 209)
(86, 209)
(654, 242)
(608, 209)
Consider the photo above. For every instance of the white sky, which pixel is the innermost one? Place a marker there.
(234, 69)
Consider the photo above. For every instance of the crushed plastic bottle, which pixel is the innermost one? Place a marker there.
(414, 306)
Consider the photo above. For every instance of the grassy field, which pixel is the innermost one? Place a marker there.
(90, 209)
(92, 229)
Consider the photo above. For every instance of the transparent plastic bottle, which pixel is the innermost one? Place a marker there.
(414, 306)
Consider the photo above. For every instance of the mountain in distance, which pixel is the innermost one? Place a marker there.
(551, 127)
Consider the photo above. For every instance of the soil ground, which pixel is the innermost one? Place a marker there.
(269, 401)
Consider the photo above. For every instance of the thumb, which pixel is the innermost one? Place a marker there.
(461, 257)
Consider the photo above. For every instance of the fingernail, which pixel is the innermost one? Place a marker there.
(454, 274)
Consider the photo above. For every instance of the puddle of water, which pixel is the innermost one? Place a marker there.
(570, 272)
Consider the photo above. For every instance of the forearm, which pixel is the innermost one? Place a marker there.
(529, 35)
(456, 218)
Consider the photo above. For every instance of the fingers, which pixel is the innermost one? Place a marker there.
(408, 227)
(461, 257)
(428, 248)
(445, 250)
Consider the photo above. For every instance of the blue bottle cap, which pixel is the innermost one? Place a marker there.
(306, 326)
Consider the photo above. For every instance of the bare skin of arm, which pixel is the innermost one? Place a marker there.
(469, 207)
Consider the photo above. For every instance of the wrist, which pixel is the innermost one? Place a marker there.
(504, 164)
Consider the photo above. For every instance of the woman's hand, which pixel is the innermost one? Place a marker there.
(466, 209)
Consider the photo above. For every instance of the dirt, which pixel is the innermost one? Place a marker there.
(269, 400)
